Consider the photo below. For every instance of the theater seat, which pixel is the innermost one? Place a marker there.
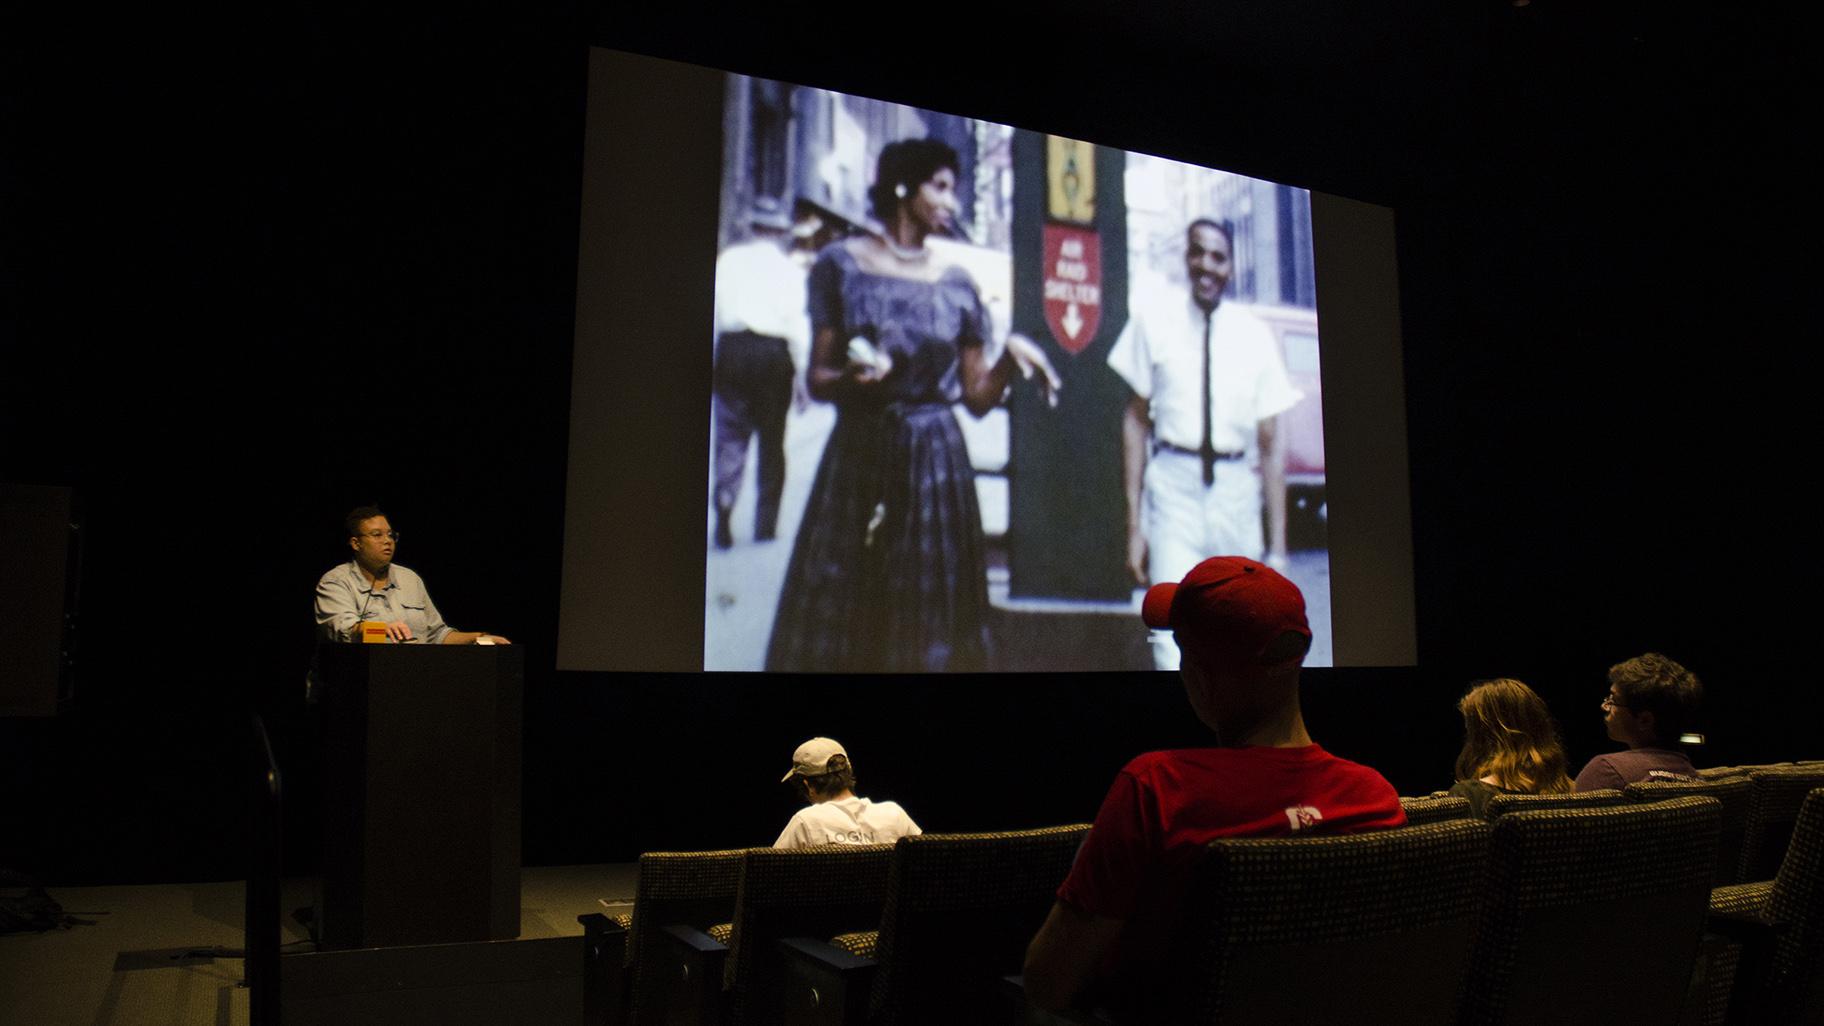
(688, 888)
(1772, 809)
(1435, 809)
(959, 912)
(1502, 804)
(1732, 793)
(784, 892)
(1342, 929)
(1778, 929)
(1592, 915)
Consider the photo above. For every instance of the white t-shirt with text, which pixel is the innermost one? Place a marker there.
(847, 821)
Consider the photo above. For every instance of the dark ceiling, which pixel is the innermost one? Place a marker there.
(1416, 90)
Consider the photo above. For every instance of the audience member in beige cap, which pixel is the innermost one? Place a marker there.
(822, 775)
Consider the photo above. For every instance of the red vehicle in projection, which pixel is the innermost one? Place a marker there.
(1296, 330)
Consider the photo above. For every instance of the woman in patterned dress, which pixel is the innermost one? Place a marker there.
(888, 573)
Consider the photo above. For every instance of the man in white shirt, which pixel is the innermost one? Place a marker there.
(1202, 453)
(826, 779)
(762, 341)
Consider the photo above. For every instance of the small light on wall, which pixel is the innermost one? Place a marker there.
(1691, 739)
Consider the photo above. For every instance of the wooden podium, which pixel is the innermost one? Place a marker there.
(421, 774)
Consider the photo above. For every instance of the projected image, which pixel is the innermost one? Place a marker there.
(975, 387)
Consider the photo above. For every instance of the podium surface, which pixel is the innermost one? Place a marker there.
(422, 793)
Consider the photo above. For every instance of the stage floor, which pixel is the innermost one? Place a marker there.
(122, 970)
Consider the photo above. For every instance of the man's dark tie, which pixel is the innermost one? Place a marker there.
(1208, 448)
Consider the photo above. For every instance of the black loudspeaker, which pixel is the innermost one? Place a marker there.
(38, 596)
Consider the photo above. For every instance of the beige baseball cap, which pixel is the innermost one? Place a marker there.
(812, 759)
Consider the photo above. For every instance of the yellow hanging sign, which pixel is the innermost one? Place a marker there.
(1070, 171)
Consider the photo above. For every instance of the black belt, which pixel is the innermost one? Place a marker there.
(1159, 447)
(756, 336)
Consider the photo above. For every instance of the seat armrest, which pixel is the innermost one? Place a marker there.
(1745, 928)
(1743, 897)
(1739, 913)
(608, 939)
(1019, 1010)
(690, 972)
(692, 939)
(824, 985)
(1739, 937)
(604, 970)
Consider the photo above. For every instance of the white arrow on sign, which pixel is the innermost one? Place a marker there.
(1073, 322)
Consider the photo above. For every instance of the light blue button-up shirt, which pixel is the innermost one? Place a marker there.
(345, 598)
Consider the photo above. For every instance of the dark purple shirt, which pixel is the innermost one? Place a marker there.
(1619, 769)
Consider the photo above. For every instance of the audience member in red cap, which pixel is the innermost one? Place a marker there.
(1242, 629)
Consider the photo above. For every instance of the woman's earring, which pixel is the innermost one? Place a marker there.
(900, 190)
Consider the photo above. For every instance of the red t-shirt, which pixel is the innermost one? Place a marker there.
(1164, 807)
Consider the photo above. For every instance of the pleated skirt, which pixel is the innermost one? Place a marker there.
(888, 572)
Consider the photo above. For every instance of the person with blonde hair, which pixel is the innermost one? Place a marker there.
(1510, 745)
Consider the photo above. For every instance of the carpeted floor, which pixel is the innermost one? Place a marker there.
(144, 962)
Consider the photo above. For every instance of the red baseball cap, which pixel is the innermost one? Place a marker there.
(1231, 608)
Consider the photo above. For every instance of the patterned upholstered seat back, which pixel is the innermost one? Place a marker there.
(1772, 809)
(1358, 928)
(1435, 809)
(960, 911)
(1796, 978)
(796, 892)
(1592, 915)
(1502, 804)
(694, 888)
(1732, 792)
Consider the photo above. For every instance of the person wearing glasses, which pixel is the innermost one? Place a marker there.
(1651, 702)
(373, 587)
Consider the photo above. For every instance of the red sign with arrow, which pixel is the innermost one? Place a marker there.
(1073, 285)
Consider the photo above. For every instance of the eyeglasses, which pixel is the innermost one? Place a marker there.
(377, 535)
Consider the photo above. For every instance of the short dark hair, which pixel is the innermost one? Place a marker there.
(1207, 222)
(1653, 683)
(1290, 646)
(838, 776)
(908, 164)
(352, 522)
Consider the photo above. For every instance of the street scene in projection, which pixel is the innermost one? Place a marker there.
(975, 388)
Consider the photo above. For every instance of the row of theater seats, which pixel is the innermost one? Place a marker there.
(1759, 804)
(1605, 907)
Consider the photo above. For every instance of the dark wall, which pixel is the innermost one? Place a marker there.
(256, 274)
